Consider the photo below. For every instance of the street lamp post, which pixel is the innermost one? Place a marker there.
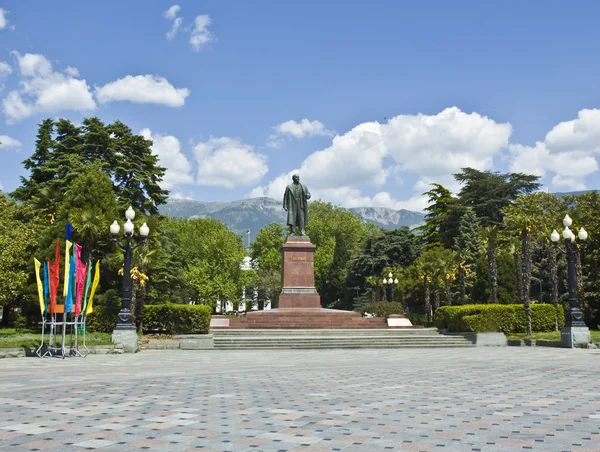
(390, 282)
(125, 332)
(575, 332)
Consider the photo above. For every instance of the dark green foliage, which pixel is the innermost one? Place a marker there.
(20, 322)
(177, 318)
(64, 150)
(496, 317)
(489, 192)
(417, 319)
(396, 248)
(468, 242)
(507, 280)
(106, 306)
(382, 308)
(441, 219)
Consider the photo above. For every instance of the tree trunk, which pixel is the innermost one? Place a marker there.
(519, 275)
(554, 282)
(141, 296)
(436, 297)
(492, 270)
(461, 285)
(427, 299)
(526, 282)
(448, 291)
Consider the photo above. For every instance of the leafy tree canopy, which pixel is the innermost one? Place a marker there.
(64, 150)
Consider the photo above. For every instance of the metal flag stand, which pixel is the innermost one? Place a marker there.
(64, 327)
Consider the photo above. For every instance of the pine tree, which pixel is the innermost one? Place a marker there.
(468, 248)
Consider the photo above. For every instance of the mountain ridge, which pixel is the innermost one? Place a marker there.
(255, 213)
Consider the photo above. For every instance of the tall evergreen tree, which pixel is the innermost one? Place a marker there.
(488, 193)
(64, 150)
(468, 248)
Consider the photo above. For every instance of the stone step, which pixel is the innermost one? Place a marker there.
(338, 340)
(393, 332)
(258, 339)
(334, 346)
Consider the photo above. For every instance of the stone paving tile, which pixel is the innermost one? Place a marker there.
(305, 400)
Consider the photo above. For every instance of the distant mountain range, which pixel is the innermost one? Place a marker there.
(255, 213)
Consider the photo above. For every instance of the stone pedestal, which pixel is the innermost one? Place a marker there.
(575, 336)
(299, 302)
(298, 256)
(398, 320)
(127, 337)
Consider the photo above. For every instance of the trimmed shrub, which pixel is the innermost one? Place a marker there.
(497, 317)
(106, 306)
(418, 319)
(382, 308)
(177, 318)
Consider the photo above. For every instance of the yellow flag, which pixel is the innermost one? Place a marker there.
(89, 308)
(39, 284)
(68, 246)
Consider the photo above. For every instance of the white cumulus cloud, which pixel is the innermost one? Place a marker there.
(168, 149)
(5, 69)
(276, 187)
(568, 152)
(4, 20)
(432, 147)
(9, 143)
(200, 34)
(142, 89)
(297, 129)
(228, 162)
(43, 90)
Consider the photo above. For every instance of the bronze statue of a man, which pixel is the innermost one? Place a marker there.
(295, 202)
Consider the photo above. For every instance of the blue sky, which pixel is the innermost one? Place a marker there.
(371, 101)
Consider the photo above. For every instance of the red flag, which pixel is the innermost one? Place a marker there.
(81, 272)
(54, 270)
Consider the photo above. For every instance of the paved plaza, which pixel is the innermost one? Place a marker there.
(311, 400)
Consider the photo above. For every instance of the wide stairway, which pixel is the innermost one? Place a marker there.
(255, 339)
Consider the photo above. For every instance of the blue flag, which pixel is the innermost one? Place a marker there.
(46, 286)
(71, 289)
(68, 230)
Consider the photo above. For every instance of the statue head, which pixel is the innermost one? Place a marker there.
(296, 178)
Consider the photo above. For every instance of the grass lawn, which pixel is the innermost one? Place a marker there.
(30, 338)
(553, 336)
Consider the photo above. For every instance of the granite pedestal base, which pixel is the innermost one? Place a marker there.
(299, 302)
(575, 336)
(305, 318)
(128, 338)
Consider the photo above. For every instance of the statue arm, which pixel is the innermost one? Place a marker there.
(306, 192)
(285, 198)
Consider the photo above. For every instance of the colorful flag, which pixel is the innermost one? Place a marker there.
(46, 282)
(40, 287)
(88, 284)
(54, 277)
(89, 308)
(79, 279)
(72, 288)
(68, 246)
(68, 231)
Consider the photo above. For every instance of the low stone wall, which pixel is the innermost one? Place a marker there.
(195, 341)
(482, 339)
(12, 352)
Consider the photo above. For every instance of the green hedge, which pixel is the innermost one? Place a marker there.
(382, 308)
(177, 318)
(507, 318)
